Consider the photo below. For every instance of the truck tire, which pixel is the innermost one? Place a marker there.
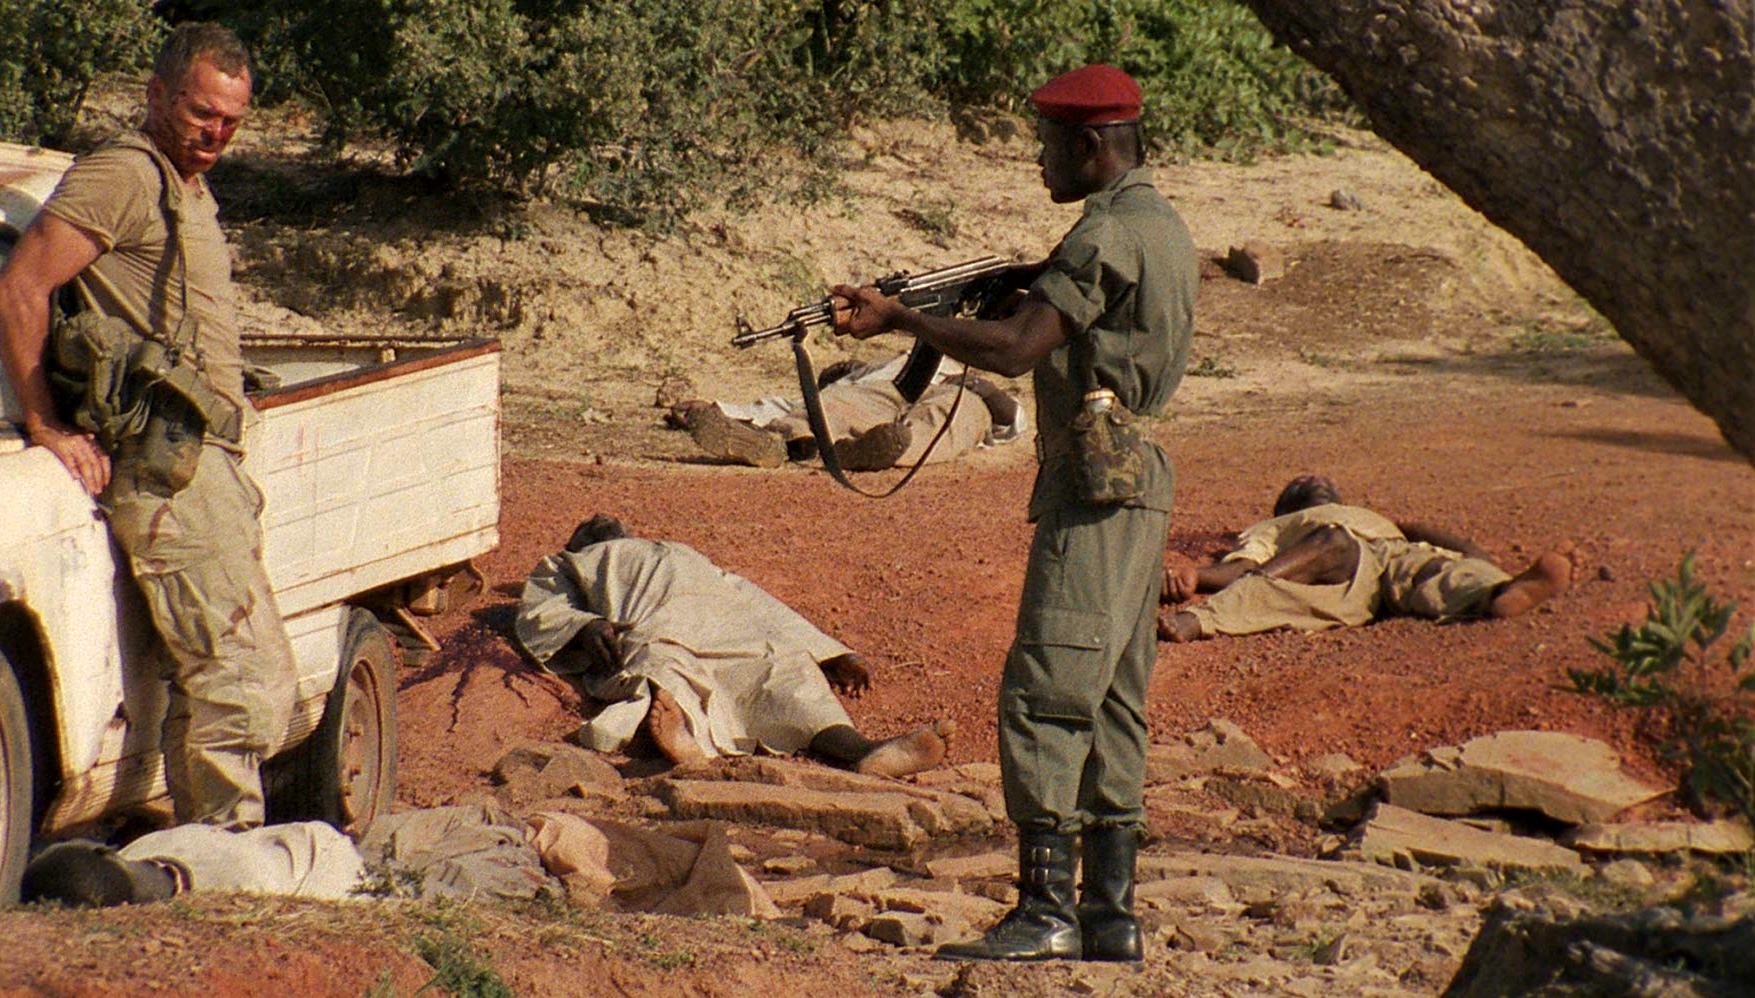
(345, 773)
(15, 784)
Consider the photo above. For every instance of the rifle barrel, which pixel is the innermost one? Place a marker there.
(822, 313)
(818, 314)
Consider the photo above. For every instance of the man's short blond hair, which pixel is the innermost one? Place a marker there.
(197, 40)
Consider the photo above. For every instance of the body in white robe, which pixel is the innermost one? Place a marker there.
(742, 665)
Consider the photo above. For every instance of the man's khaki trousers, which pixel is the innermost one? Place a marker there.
(197, 557)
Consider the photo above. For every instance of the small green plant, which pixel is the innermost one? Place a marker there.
(1210, 366)
(457, 968)
(1541, 337)
(1666, 666)
(1595, 892)
(674, 959)
(383, 987)
(1325, 361)
(389, 880)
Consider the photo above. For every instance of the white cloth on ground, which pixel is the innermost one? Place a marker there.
(742, 665)
(769, 409)
(307, 859)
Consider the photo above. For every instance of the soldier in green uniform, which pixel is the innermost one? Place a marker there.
(1105, 330)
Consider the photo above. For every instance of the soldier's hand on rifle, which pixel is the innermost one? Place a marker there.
(600, 642)
(847, 673)
(864, 312)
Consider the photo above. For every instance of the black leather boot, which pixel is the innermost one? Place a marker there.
(1045, 924)
(86, 874)
(1106, 921)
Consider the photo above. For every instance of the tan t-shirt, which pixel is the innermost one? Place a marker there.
(114, 195)
(1261, 541)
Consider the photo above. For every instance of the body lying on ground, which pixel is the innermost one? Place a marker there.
(1318, 563)
(872, 425)
(466, 852)
(705, 660)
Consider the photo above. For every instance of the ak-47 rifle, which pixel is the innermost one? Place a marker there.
(976, 288)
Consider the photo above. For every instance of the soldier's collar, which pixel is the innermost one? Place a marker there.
(1139, 176)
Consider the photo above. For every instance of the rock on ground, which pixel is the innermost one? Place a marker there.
(1566, 777)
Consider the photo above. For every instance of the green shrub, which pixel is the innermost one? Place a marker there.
(1664, 666)
(645, 106)
(1215, 80)
(52, 50)
(650, 107)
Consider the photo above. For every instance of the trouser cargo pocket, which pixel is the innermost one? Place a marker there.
(1056, 669)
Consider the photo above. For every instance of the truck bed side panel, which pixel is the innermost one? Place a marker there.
(379, 481)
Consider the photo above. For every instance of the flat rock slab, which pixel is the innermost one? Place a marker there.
(1185, 892)
(1566, 777)
(532, 771)
(1714, 837)
(937, 811)
(801, 889)
(879, 820)
(948, 907)
(1284, 874)
(1398, 837)
(1220, 745)
(985, 866)
(1260, 793)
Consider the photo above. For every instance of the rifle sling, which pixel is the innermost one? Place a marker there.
(819, 424)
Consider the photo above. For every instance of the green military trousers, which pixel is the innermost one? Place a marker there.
(197, 557)
(1072, 723)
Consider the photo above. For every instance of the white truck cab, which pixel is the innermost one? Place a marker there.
(379, 459)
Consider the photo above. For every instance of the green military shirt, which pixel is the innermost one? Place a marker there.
(1124, 277)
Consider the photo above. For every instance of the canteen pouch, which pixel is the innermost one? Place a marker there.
(1107, 467)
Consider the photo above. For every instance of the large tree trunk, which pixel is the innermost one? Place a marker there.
(1615, 137)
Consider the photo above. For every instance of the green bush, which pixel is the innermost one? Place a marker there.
(644, 106)
(1215, 80)
(649, 107)
(52, 50)
(1664, 666)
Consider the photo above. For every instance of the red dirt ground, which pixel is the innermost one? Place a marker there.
(1512, 418)
(926, 584)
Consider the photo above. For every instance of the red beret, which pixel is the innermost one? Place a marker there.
(1092, 95)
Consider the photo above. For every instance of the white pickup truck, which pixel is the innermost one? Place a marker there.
(380, 462)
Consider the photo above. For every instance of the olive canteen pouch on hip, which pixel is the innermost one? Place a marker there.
(1107, 467)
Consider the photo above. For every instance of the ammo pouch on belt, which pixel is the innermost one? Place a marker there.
(149, 407)
(143, 396)
(1107, 466)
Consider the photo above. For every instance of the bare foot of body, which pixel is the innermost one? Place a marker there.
(1179, 628)
(669, 727)
(910, 753)
(1547, 577)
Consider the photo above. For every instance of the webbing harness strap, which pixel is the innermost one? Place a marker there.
(819, 424)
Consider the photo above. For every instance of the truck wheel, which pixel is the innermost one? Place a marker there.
(15, 785)
(345, 773)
